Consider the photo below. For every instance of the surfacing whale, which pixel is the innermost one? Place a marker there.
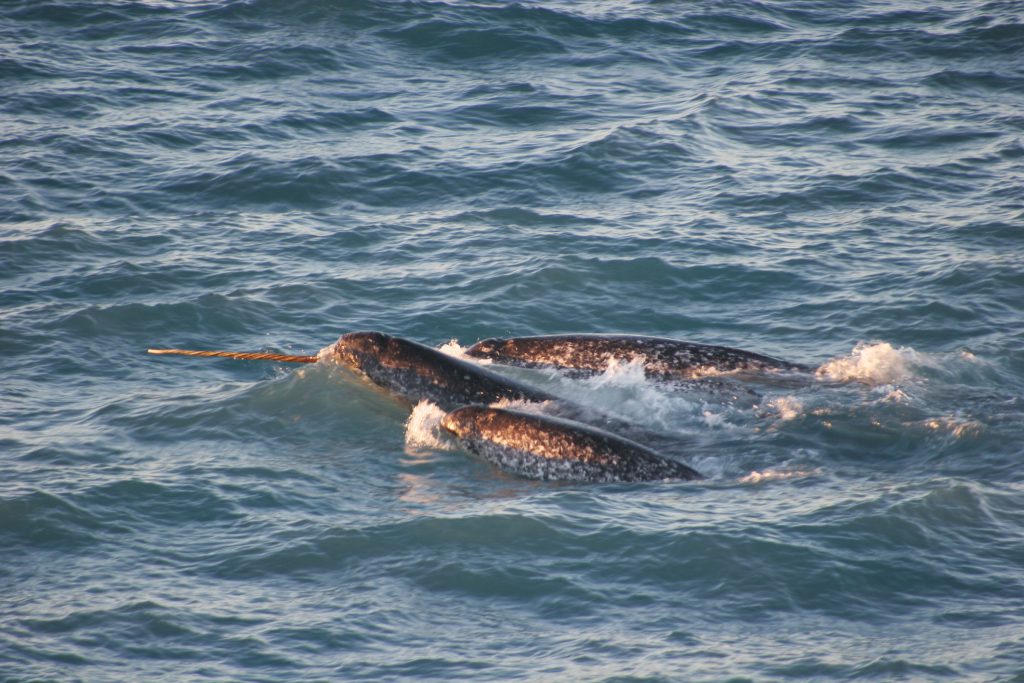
(414, 372)
(589, 354)
(550, 448)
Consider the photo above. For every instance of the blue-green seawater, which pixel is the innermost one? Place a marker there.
(833, 183)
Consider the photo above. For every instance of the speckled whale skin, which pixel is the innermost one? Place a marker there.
(414, 372)
(549, 448)
(587, 354)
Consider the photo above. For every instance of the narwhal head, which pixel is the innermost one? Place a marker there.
(465, 421)
(493, 348)
(361, 351)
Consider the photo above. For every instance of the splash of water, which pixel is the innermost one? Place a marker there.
(878, 363)
(326, 353)
(788, 407)
(759, 477)
(454, 349)
(423, 428)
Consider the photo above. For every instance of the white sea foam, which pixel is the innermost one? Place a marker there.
(622, 373)
(788, 407)
(623, 389)
(714, 420)
(456, 350)
(878, 363)
(453, 348)
(423, 428)
(892, 394)
(522, 406)
(780, 474)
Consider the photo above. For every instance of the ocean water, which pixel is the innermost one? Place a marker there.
(834, 183)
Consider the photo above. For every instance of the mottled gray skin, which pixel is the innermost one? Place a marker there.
(588, 354)
(415, 372)
(549, 448)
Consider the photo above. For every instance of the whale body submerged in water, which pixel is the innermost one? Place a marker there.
(545, 447)
(539, 446)
(588, 354)
(417, 372)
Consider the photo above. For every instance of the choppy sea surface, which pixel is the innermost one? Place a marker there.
(833, 183)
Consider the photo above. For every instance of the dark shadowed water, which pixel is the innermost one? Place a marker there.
(833, 183)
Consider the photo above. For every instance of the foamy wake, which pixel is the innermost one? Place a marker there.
(788, 407)
(623, 389)
(756, 477)
(878, 363)
(423, 428)
(534, 407)
(454, 349)
(622, 373)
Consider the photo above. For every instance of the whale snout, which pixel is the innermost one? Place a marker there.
(461, 421)
(449, 423)
(485, 347)
(363, 341)
(356, 349)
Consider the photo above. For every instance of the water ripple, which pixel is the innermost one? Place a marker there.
(830, 183)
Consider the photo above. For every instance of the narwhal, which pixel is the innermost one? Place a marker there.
(414, 372)
(588, 354)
